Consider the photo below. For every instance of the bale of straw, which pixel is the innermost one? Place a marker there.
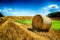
(42, 23)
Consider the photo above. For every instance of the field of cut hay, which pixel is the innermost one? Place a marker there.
(53, 34)
(21, 29)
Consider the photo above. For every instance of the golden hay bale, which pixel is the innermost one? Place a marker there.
(40, 22)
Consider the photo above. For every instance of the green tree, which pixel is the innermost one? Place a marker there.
(1, 15)
(54, 14)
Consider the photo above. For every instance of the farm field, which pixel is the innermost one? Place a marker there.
(55, 23)
(24, 26)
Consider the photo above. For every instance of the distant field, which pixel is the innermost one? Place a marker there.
(55, 23)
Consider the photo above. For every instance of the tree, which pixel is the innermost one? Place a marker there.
(54, 14)
(1, 15)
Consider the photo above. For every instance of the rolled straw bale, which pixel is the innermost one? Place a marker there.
(40, 22)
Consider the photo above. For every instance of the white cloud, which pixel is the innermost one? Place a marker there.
(44, 8)
(49, 9)
(44, 12)
(10, 9)
(17, 12)
(0, 10)
(53, 6)
(27, 12)
(58, 10)
(22, 13)
(4, 8)
(6, 11)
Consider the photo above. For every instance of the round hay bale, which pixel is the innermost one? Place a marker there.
(40, 22)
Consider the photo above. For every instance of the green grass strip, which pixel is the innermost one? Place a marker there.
(56, 24)
(24, 21)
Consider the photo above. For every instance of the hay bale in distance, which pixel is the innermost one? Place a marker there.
(40, 22)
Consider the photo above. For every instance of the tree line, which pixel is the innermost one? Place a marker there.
(54, 14)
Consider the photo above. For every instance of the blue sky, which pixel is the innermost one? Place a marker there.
(28, 7)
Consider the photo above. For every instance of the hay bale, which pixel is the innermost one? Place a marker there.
(41, 23)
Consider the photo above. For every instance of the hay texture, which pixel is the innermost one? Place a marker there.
(16, 31)
(40, 22)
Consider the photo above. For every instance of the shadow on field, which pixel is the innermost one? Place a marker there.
(35, 30)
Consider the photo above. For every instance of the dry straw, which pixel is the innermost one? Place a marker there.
(16, 31)
(40, 22)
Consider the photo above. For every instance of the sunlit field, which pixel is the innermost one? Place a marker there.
(55, 23)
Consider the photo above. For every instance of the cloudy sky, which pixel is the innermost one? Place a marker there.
(28, 7)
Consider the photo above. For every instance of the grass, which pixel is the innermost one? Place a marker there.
(55, 23)
(24, 21)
